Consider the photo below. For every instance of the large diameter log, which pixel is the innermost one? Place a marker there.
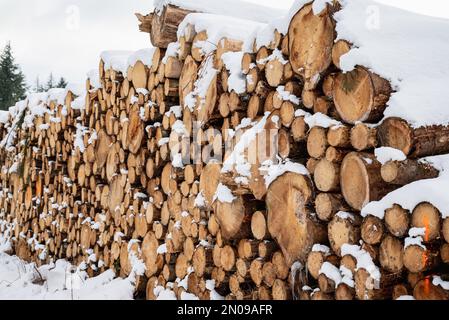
(311, 38)
(408, 171)
(164, 26)
(414, 142)
(288, 221)
(360, 180)
(360, 96)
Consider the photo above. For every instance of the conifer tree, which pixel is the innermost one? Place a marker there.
(12, 81)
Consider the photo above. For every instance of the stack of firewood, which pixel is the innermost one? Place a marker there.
(122, 173)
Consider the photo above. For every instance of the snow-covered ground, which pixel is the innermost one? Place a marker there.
(58, 281)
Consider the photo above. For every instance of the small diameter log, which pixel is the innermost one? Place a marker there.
(234, 218)
(399, 291)
(372, 230)
(420, 259)
(340, 48)
(425, 215)
(414, 142)
(391, 254)
(363, 137)
(280, 290)
(444, 253)
(317, 142)
(408, 171)
(397, 221)
(343, 229)
(299, 129)
(327, 176)
(344, 292)
(209, 180)
(445, 230)
(361, 96)
(259, 226)
(228, 258)
(336, 155)
(368, 288)
(339, 137)
(328, 204)
(315, 260)
(360, 181)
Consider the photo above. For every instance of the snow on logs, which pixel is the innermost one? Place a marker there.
(106, 175)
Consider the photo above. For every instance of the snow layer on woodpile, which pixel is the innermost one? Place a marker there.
(321, 248)
(407, 297)
(94, 77)
(116, 60)
(265, 35)
(144, 55)
(409, 196)
(224, 194)
(196, 98)
(24, 112)
(408, 49)
(233, 63)
(219, 27)
(172, 51)
(331, 272)
(234, 8)
(386, 154)
(121, 60)
(237, 160)
(364, 260)
(437, 281)
(272, 171)
(4, 116)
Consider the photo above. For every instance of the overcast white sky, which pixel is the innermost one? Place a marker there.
(47, 35)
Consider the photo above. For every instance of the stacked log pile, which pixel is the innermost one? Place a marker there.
(153, 166)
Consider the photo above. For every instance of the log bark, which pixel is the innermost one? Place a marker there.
(408, 171)
(414, 142)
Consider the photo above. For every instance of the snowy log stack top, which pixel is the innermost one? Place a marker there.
(346, 199)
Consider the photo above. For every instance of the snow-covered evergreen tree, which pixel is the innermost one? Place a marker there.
(62, 83)
(12, 80)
